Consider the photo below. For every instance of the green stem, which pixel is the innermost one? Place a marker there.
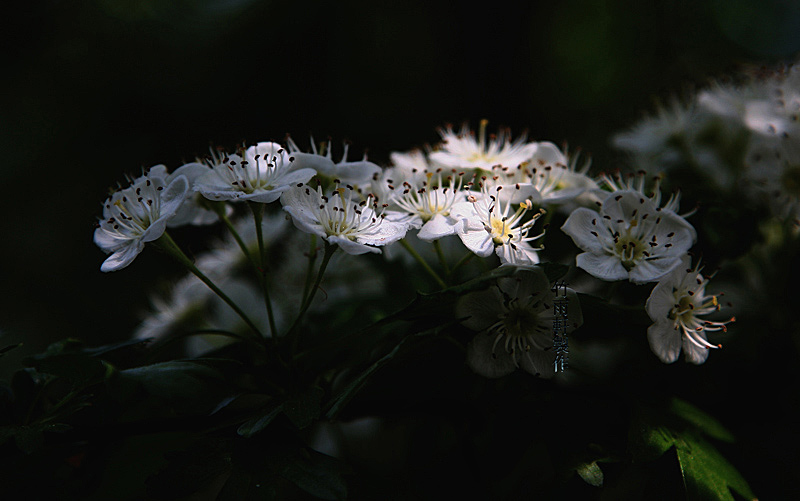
(168, 245)
(258, 216)
(464, 260)
(442, 259)
(329, 251)
(424, 263)
(220, 210)
(312, 258)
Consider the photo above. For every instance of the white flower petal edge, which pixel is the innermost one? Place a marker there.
(675, 305)
(350, 222)
(515, 324)
(136, 215)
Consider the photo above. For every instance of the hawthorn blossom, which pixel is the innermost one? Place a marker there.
(424, 199)
(514, 320)
(355, 173)
(357, 226)
(487, 224)
(260, 174)
(555, 177)
(461, 150)
(136, 215)
(630, 238)
(675, 305)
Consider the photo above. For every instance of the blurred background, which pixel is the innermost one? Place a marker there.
(94, 90)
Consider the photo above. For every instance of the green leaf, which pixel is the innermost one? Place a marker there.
(336, 404)
(77, 368)
(706, 473)
(170, 389)
(317, 474)
(648, 439)
(591, 473)
(255, 425)
(5, 350)
(703, 421)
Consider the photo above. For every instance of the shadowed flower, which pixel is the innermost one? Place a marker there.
(515, 324)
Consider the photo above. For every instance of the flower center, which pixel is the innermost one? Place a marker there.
(683, 311)
(520, 322)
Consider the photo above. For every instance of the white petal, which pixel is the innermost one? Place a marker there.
(664, 340)
(523, 255)
(693, 353)
(602, 266)
(192, 171)
(437, 227)
(482, 308)
(538, 362)
(173, 196)
(296, 176)
(319, 163)
(159, 170)
(580, 225)
(651, 271)
(481, 359)
(123, 256)
(350, 247)
(525, 282)
(478, 241)
(661, 299)
(107, 241)
(355, 172)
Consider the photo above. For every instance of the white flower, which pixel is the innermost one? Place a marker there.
(656, 137)
(556, 179)
(261, 174)
(487, 224)
(355, 173)
(675, 305)
(631, 238)
(354, 225)
(462, 151)
(409, 163)
(182, 307)
(515, 320)
(424, 200)
(137, 215)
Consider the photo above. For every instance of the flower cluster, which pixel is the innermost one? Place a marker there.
(486, 192)
(743, 136)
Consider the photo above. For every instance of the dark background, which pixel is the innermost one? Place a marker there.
(94, 90)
